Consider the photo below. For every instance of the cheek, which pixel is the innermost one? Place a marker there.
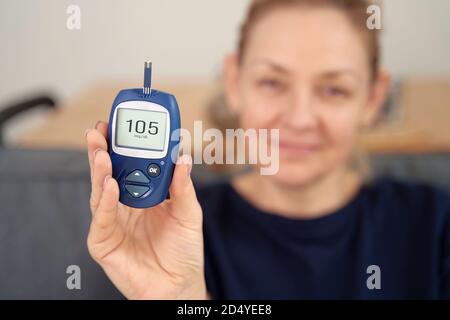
(256, 112)
(340, 131)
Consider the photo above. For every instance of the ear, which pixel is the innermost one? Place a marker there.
(231, 81)
(377, 97)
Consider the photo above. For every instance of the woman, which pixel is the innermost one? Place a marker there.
(314, 230)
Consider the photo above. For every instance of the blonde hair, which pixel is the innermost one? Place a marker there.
(355, 10)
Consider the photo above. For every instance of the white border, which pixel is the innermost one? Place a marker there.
(140, 153)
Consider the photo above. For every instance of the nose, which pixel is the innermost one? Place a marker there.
(301, 114)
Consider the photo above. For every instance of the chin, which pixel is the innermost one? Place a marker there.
(297, 174)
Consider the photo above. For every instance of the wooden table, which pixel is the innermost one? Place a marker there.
(65, 127)
(420, 122)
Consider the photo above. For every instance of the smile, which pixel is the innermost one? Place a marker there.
(298, 148)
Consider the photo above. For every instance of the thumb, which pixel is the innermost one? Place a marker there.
(184, 204)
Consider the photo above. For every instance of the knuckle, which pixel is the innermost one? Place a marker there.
(93, 203)
(92, 248)
(102, 162)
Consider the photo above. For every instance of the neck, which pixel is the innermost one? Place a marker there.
(311, 200)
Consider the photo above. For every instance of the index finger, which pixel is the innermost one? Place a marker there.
(96, 139)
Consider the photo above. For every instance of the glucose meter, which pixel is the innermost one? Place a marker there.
(143, 139)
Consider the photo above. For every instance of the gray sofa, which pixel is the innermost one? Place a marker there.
(44, 218)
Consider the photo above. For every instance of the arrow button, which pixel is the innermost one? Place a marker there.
(137, 176)
(136, 191)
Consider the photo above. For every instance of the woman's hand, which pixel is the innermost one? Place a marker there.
(154, 253)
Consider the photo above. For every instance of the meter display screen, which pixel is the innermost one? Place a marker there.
(141, 129)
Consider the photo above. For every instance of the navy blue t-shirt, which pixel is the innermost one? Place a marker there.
(391, 241)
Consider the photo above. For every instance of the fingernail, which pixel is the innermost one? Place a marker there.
(106, 179)
(96, 151)
(187, 159)
(96, 125)
(86, 132)
(189, 169)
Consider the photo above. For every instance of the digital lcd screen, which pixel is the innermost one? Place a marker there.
(141, 129)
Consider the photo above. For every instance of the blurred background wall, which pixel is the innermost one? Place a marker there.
(44, 175)
(184, 39)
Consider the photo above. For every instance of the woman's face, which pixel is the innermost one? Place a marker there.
(306, 72)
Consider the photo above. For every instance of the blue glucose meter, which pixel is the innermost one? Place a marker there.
(142, 143)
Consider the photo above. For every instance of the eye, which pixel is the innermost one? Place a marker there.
(271, 84)
(334, 91)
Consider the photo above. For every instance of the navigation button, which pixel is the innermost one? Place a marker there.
(136, 191)
(137, 176)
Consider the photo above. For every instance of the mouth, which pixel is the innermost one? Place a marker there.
(299, 148)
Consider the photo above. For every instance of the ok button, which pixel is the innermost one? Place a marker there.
(154, 170)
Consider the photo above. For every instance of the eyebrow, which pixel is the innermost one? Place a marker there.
(273, 65)
(329, 74)
(339, 72)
